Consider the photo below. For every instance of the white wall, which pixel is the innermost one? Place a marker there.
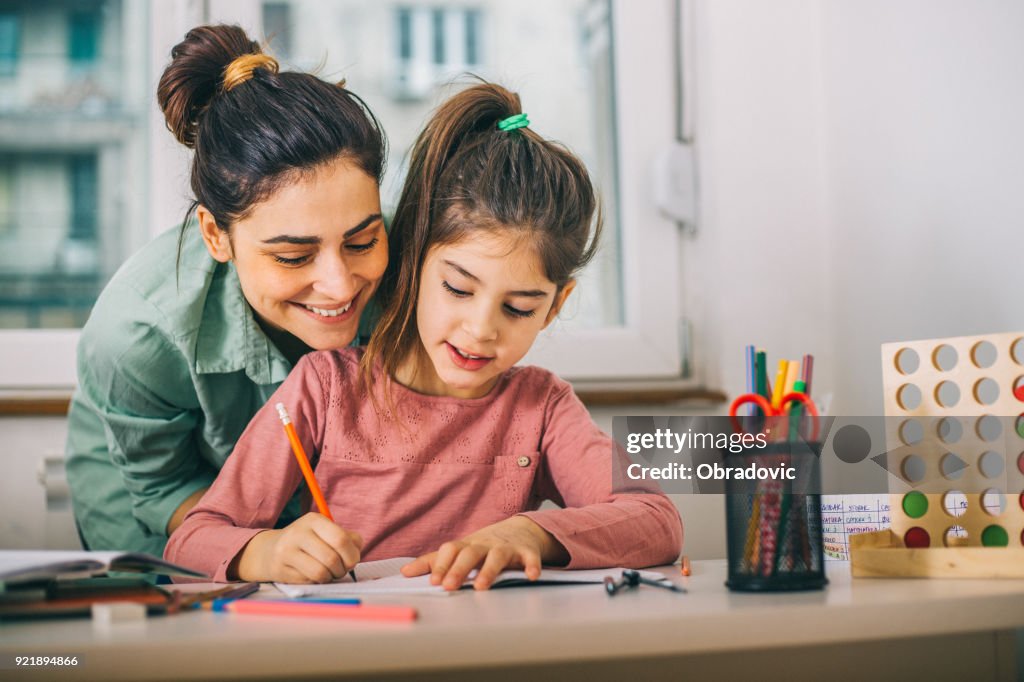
(924, 132)
(757, 271)
(875, 149)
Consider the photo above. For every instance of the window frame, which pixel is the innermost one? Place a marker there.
(647, 345)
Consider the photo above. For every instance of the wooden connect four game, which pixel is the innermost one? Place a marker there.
(955, 436)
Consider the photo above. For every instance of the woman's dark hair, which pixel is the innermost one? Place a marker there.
(467, 175)
(253, 129)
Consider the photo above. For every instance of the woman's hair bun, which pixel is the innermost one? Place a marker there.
(195, 75)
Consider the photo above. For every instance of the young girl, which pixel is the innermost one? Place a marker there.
(432, 436)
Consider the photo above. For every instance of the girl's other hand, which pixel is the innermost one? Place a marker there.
(516, 542)
(312, 549)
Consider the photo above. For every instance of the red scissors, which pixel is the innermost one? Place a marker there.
(768, 411)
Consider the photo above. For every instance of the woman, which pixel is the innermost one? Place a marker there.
(196, 330)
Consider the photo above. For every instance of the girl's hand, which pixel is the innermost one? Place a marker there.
(312, 549)
(516, 542)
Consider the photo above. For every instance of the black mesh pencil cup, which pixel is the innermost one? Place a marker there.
(773, 518)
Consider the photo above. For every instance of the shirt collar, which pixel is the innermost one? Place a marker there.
(230, 339)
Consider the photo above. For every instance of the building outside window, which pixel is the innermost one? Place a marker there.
(8, 43)
(88, 173)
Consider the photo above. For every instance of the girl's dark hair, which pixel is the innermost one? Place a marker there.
(257, 130)
(466, 175)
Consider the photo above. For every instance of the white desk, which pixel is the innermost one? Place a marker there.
(914, 629)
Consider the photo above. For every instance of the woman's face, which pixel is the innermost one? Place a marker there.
(310, 256)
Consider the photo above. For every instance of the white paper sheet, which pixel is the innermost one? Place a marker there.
(383, 577)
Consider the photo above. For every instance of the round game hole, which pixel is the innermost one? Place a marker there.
(913, 468)
(911, 432)
(983, 354)
(947, 394)
(950, 429)
(955, 503)
(991, 464)
(955, 536)
(1017, 351)
(988, 428)
(993, 502)
(986, 391)
(908, 396)
(944, 358)
(907, 361)
(951, 466)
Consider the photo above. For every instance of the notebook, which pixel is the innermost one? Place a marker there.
(23, 566)
(384, 577)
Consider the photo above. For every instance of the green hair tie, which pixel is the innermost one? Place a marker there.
(513, 122)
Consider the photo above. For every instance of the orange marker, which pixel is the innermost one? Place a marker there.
(684, 566)
(300, 455)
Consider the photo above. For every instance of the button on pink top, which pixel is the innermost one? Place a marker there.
(447, 467)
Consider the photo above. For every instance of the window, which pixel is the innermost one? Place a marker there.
(593, 74)
(434, 44)
(83, 37)
(8, 43)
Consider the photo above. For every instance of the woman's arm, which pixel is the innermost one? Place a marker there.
(184, 508)
(136, 407)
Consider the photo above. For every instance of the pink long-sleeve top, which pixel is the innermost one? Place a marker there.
(445, 468)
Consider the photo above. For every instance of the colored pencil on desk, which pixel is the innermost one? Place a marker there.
(262, 607)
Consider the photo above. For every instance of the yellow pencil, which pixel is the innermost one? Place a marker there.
(780, 384)
(792, 375)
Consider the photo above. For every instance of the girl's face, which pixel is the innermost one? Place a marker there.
(309, 257)
(482, 302)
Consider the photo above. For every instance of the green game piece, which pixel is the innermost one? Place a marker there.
(915, 504)
(995, 536)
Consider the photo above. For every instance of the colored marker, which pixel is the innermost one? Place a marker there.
(218, 604)
(266, 607)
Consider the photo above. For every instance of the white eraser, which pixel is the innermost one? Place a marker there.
(117, 612)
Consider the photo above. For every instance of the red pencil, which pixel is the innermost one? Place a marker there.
(257, 607)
